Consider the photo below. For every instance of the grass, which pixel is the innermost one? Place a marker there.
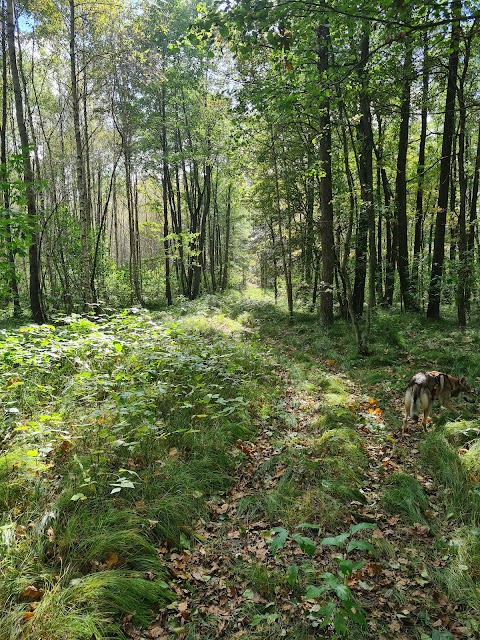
(118, 432)
(403, 494)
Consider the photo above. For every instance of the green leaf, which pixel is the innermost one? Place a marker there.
(347, 566)
(292, 574)
(307, 525)
(326, 612)
(313, 592)
(78, 496)
(441, 635)
(279, 541)
(354, 611)
(307, 545)
(339, 623)
(342, 591)
(336, 541)
(360, 544)
(355, 528)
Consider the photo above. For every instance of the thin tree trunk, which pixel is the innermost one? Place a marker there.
(33, 254)
(286, 270)
(83, 196)
(166, 244)
(365, 249)
(401, 184)
(419, 214)
(435, 289)
(325, 180)
(472, 222)
(12, 274)
(226, 258)
(275, 266)
(200, 262)
(309, 230)
(464, 263)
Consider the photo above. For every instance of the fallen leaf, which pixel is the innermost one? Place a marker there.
(31, 593)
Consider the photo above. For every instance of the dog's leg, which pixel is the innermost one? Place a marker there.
(426, 400)
(407, 409)
(426, 416)
(447, 404)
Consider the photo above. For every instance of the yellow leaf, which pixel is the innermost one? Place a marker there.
(112, 560)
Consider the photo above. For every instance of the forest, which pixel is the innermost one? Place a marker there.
(231, 232)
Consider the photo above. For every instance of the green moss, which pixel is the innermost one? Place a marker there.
(332, 418)
(316, 505)
(461, 431)
(471, 460)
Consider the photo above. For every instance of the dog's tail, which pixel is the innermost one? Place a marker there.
(415, 402)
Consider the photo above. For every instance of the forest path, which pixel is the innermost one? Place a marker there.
(231, 585)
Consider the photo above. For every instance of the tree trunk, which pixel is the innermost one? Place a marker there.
(401, 184)
(34, 266)
(326, 195)
(226, 257)
(285, 261)
(83, 196)
(365, 246)
(464, 262)
(198, 267)
(472, 223)
(435, 288)
(165, 182)
(12, 274)
(419, 215)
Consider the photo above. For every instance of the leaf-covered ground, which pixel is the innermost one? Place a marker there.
(233, 583)
(228, 473)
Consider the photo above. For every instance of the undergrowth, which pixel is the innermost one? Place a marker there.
(115, 433)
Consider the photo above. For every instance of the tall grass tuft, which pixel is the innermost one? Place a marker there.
(403, 494)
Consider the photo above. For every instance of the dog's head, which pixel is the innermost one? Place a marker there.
(466, 390)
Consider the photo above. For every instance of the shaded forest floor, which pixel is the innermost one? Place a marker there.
(223, 471)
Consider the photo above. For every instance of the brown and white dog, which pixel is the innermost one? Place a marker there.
(424, 388)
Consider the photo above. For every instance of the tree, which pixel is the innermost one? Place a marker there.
(438, 256)
(38, 313)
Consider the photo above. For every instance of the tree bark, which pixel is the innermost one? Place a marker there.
(401, 184)
(419, 215)
(28, 177)
(226, 256)
(464, 261)
(83, 196)
(365, 246)
(325, 180)
(165, 182)
(12, 274)
(435, 288)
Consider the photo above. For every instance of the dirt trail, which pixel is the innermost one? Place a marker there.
(215, 597)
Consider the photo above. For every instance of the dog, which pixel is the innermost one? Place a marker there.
(424, 388)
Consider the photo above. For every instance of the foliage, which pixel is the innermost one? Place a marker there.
(118, 430)
(336, 601)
